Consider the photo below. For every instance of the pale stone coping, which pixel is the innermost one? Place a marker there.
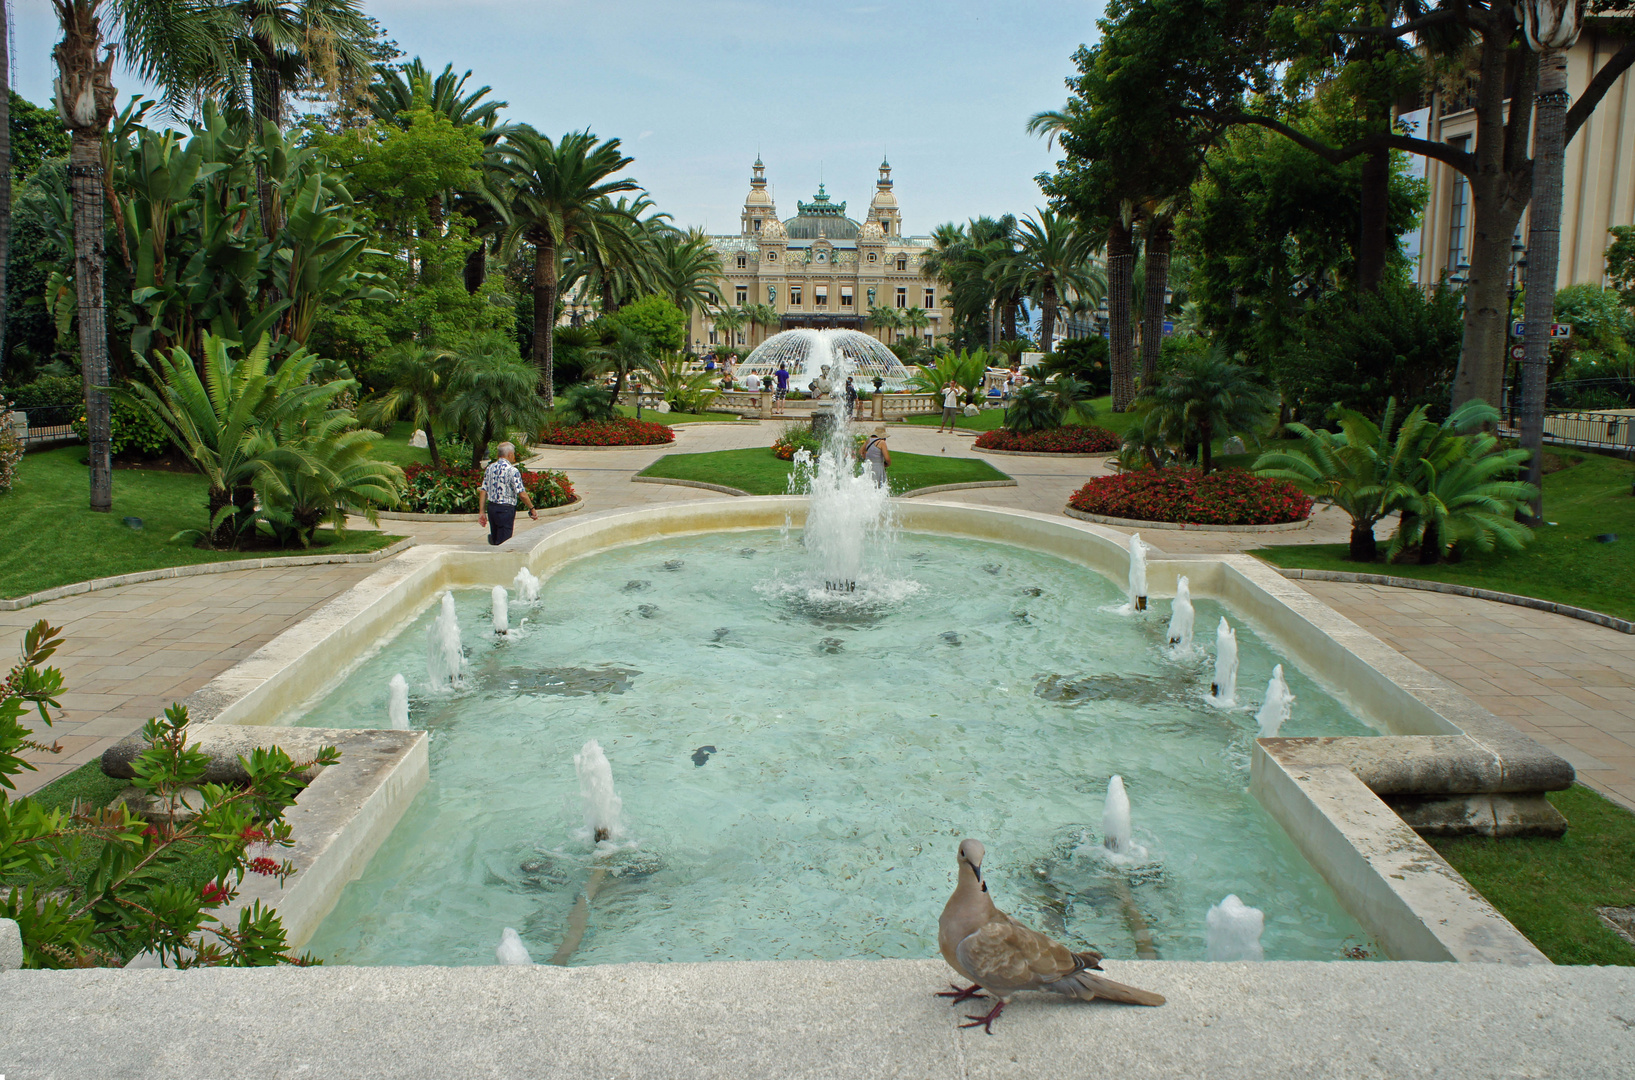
(722, 488)
(1027, 453)
(576, 505)
(817, 1020)
(226, 566)
(936, 489)
(1612, 622)
(1476, 751)
(746, 422)
(1185, 526)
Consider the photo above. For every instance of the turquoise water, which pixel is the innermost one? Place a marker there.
(987, 691)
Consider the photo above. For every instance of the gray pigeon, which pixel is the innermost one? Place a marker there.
(994, 952)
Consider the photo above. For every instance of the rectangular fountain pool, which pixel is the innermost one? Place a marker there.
(796, 767)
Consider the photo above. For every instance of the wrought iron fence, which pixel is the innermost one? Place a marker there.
(1592, 430)
(46, 424)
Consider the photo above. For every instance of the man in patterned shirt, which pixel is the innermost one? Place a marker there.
(497, 498)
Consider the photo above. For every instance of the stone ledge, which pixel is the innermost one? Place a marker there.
(1032, 453)
(1186, 526)
(538, 446)
(1612, 622)
(936, 489)
(226, 566)
(1227, 1021)
(722, 488)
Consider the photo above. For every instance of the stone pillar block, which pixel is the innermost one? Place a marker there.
(11, 945)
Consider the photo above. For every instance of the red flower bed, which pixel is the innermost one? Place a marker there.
(1228, 497)
(1072, 439)
(624, 431)
(448, 489)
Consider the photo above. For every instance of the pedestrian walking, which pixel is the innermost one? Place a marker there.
(950, 406)
(497, 498)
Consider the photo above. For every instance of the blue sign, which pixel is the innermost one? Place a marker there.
(1557, 330)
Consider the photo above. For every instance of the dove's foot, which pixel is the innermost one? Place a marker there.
(985, 1022)
(972, 991)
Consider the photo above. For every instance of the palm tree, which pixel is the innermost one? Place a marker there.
(399, 88)
(491, 392)
(617, 260)
(550, 200)
(688, 269)
(885, 318)
(916, 319)
(728, 321)
(1053, 267)
(85, 100)
(1204, 397)
(628, 353)
(420, 385)
(763, 315)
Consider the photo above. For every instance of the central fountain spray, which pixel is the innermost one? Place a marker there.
(845, 509)
(1223, 692)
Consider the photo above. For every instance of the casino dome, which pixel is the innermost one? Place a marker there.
(821, 217)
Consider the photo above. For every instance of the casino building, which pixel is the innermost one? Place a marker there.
(821, 268)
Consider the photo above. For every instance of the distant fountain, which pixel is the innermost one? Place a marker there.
(1138, 573)
(601, 803)
(1223, 692)
(1115, 818)
(1274, 712)
(397, 702)
(502, 618)
(1232, 931)
(444, 655)
(527, 586)
(511, 950)
(1181, 616)
(804, 352)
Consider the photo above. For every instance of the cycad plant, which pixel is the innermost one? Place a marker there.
(1466, 491)
(491, 392)
(1365, 469)
(336, 470)
(1204, 397)
(1040, 406)
(685, 389)
(226, 423)
(965, 370)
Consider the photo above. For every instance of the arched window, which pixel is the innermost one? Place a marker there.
(902, 263)
(743, 261)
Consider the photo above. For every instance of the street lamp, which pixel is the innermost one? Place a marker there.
(1552, 26)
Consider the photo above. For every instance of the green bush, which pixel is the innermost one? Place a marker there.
(49, 392)
(11, 449)
(136, 435)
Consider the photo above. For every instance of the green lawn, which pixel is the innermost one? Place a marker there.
(757, 471)
(48, 537)
(1564, 563)
(396, 449)
(986, 420)
(1550, 888)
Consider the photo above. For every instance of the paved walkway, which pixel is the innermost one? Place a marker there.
(133, 650)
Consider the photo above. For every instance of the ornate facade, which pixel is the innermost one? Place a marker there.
(821, 268)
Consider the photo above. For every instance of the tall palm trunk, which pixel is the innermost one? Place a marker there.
(545, 315)
(1010, 319)
(1543, 248)
(1120, 286)
(1159, 239)
(85, 182)
(268, 92)
(1047, 320)
(476, 270)
(5, 170)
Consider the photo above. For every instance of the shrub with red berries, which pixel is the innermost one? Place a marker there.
(1070, 439)
(448, 489)
(621, 431)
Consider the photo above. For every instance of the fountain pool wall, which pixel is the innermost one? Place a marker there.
(1325, 792)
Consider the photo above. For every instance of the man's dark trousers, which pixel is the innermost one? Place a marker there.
(502, 518)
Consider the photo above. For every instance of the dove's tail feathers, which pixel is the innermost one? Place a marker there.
(1087, 987)
(1088, 959)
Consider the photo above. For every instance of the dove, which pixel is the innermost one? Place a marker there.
(511, 949)
(996, 953)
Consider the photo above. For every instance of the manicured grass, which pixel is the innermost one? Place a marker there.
(396, 449)
(986, 420)
(48, 536)
(87, 783)
(1550, 888)
(757, 471)
(1564, 563)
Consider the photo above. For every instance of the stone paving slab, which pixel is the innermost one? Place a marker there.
(846, 1020)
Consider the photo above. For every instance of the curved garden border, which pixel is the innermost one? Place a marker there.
(548, 512)
(1185, 526)
(1611, 622)
(968, 485)
(622, 446)
(722, 488)
(1031, 453)
(226, 566)
(915, 493)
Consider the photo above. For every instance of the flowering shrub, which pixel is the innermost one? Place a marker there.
(1069, 439)
(623, 431)
(11, 449)
(428, 489)
(1228, 497)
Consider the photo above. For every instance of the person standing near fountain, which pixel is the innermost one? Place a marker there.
(950, 406)
(497, 498)
(876, 454)
(851, 399)
(783, 389)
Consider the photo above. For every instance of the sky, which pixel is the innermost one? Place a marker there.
(696, 89)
